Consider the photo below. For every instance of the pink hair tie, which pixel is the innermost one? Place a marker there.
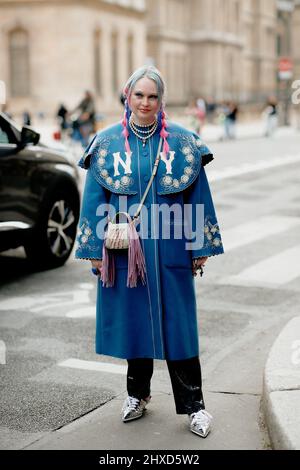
(164, 134)
(125, 132)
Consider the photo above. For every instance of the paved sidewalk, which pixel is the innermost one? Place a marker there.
(160, 428)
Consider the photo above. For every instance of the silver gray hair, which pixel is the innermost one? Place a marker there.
(148, 71)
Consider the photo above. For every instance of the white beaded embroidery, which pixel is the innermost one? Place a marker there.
(186, 150)
(103, 153)
(212, 235)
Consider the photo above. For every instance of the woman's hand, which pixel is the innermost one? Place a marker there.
(97, 264)
(198, 264)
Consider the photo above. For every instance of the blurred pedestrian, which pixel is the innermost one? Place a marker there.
(201, 107)
(270, 115)
(211, 107)
(84, 124)
(195, 116)
(62, 115)
(231, 120)
(26, 118)
(146, 303)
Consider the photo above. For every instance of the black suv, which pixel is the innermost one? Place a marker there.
(39, 197)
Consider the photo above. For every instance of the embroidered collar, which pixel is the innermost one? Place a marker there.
(117, 171)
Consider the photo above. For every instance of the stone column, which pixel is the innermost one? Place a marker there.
(107, 66)
(122, 58)
(139, 45)
(4, 62)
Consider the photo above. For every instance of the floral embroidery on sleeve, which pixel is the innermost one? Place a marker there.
(212, 237)
(86, 241)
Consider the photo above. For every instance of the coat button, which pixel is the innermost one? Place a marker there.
(145, 153)
(146, 178)
(147, 204)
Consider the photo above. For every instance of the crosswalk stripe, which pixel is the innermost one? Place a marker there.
(93, 365)
(257, 230)
(83, 312)
(246, 168)
(276, 270)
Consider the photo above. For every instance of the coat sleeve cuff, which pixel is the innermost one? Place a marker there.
(208, 252)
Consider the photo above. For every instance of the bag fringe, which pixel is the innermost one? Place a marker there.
(108, 268)
(136, 259)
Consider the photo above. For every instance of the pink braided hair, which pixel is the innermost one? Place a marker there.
(163, 133)
(125, 131)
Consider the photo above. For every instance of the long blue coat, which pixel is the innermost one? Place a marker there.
(157, 320)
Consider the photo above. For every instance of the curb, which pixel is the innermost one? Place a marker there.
(281, 389)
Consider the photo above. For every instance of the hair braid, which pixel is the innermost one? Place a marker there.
(125, 120)
(163, 133)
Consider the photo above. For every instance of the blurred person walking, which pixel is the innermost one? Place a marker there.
(202, 109)
(231, 114)
(26, 118)
(195, 116)
(270, 115)
(84, 123)
(211, 107)
(62, 115)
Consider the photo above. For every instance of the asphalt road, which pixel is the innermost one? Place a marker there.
(244, 299)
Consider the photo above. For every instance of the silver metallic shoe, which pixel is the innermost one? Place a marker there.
(200, 423)
(133, 408)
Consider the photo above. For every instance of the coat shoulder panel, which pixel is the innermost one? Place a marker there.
(187, 154)
(177, 129)
(103, 158)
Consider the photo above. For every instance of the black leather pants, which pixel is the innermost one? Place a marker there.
(185, 378)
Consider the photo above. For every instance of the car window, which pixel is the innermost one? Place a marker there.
(3, 137)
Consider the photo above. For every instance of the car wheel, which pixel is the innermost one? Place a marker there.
(54, 235)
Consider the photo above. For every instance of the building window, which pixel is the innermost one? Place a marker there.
(270, 42)
(114, 58)
(19, 63)
(279, 45)
(130, 54)
(97, 62)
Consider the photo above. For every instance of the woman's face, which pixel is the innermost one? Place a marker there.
(144, 101)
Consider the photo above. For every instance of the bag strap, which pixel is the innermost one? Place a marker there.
(121, 213)
(150, 182)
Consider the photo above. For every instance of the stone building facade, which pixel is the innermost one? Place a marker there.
(53, 50)
(220, 48)
(296, 39)
(259, 50)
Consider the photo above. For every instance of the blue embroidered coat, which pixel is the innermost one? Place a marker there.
(157, 320)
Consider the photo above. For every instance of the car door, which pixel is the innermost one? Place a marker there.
(15, 174)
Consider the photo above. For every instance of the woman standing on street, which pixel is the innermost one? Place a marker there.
(146, 309)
